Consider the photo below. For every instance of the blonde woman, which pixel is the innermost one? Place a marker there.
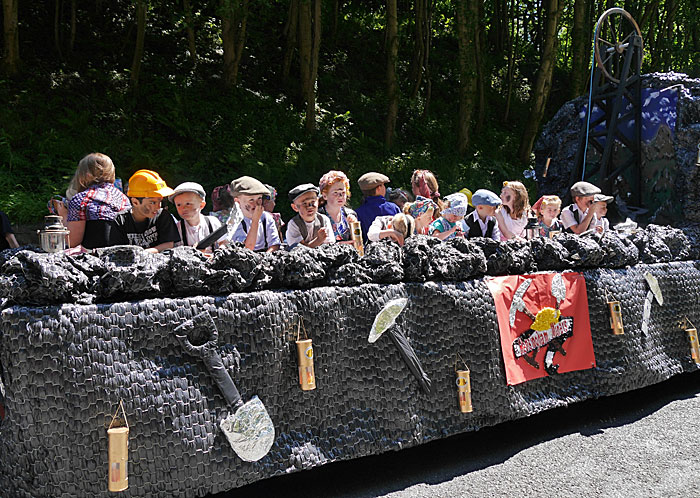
(92, 209)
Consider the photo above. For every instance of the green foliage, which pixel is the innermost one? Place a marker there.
(182, 123)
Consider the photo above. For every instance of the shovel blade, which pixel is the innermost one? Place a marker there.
(250, 430)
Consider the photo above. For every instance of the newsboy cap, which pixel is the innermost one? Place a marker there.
(247, 185)
(483, 197)
(193, 187)
(602, 198)
(371, 180)
(584, 189)
(301, 190)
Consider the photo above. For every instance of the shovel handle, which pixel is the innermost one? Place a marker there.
(208, 354)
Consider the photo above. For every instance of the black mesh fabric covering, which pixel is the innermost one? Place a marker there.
(65, 367)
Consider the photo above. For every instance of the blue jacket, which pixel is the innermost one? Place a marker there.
(372, 207)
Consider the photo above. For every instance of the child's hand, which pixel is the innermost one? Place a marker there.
(352, 218)
(393, 235)
(322, 234)
(257, 214)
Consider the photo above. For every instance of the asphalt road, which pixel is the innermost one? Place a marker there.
(638, 444)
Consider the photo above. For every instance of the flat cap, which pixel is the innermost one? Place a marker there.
(483, 197)
(371, 180)
(602, 198)
(188, 187)
(247, 185)
(301, 190)
(584, 189)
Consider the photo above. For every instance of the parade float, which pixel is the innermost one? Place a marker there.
(177, 374)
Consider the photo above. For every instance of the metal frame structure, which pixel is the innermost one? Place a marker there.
(615, 83)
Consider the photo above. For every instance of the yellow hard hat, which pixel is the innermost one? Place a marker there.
(147, 183)
(468, 193)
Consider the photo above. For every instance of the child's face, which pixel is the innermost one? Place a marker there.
(507, 196)
(269, 205)
(585, 202)
(485, 211)
(248, 203)
(189, 205)
(306, 205)
(602, 209)
(453, 218)
(549, 212)
(336, 194)
(425, 218)
(147, 207)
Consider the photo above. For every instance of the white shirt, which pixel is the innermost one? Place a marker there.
(495, 233)
(380, 223)
(516, 227)
(294, 234)
(270, 233)
(568, 220)
(199, 232)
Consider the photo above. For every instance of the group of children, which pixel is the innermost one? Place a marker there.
(100, 215)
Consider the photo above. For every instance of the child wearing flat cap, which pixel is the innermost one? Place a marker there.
(482, 221)
(257, 230)
(581, 214)
(309, 227)
(601, 201)
(373, 189)
(189, 199)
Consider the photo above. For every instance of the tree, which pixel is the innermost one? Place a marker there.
(234, 18)
(467, 14)
(10, 53)
(141, 8)
(580, 49)
(543, 82)
(392, 86)
(189, 26)
(309, 45)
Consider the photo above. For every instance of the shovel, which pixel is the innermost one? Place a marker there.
(249, 429)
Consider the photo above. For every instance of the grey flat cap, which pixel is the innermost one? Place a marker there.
(584, 189)
(483, 197)
(247, 185)
(602, 198)
(188, 187)
(301, 190)
(371, 180)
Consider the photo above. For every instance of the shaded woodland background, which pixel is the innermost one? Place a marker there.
(286, 90)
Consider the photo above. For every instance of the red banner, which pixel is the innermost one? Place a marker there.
(544, 324)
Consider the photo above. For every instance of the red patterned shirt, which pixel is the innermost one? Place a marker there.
(98, 202)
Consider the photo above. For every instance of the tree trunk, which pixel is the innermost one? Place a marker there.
(478, 50)
(234, 18)
(540, 91)
(140, 38)
(73, 26)
(416, 73)
(10, 55)
(580, 50)
(334, 20)
(467, 14)
(291, 31)
(392, 87)
(57, 28)
(514, 35)
(309, 45)
(189, 22)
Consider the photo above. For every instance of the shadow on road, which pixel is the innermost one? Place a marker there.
(443, 460)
